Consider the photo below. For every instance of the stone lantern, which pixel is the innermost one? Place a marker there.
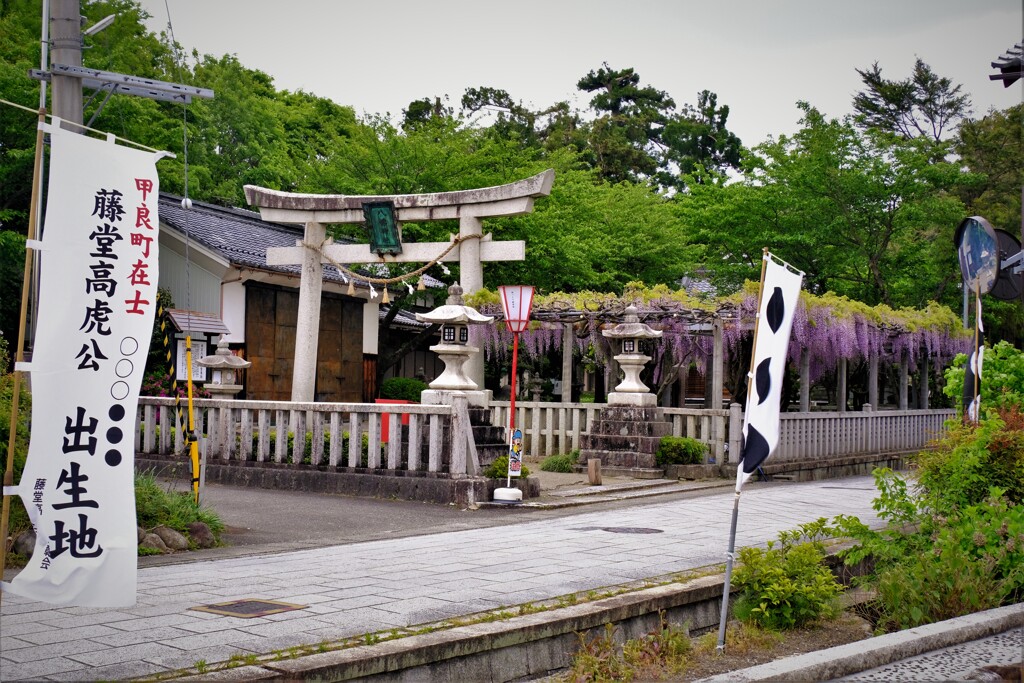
(629, 333)
(223, 365)
(454, 317)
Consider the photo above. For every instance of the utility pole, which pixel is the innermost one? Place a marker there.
(66, 42)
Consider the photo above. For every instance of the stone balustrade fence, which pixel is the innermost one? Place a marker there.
(439, 437)
(551, 428)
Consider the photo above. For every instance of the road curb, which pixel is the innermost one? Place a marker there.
(844, 660)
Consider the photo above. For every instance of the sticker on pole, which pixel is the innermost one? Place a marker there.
(515, 454)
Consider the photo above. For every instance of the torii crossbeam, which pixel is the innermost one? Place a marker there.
(314, 211)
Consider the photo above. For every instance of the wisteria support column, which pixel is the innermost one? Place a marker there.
(717, 368)
(873, 379)
(805, 381)
(841, 386)
(568, 338)
(922, 402)
(904, 375)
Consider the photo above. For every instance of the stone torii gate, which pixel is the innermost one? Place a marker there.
(316, 211)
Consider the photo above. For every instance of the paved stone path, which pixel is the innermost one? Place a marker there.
(374, 586)
(956, 663)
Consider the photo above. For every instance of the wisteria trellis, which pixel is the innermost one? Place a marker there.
(830, 328)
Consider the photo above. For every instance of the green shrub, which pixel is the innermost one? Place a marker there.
(788, 584)
(18, 520)
(971, 459)
(402, 388)
(560, 463)
(499, 468)
(157, 504)
(931, 565)
(680, 450)
(976, 563)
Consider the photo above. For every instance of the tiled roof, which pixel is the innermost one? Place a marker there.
(404, 319)
(196, 321)
(241, 237)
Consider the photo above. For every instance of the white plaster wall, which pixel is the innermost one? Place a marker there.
(371, 327)
(192, 286)
(233, 310)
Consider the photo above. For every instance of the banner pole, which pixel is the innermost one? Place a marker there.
(19, 357)
(724, 616)
(757, 318)
(977, 350)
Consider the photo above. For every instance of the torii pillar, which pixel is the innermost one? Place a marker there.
(314, 211)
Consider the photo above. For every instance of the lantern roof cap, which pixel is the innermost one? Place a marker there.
(223, 358)
(454, 311)
(631, 328)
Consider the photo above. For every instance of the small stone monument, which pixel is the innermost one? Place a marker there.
(454, 317)
(628, 431)
(223, 364)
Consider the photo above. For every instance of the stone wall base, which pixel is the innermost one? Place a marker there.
(429, 487)
(828, 468)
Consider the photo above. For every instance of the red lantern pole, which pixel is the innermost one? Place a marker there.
(516, 302)
(512, 398)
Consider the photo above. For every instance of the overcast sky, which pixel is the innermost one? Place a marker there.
(760, 56)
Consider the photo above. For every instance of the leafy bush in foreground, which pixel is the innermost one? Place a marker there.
(788, 584)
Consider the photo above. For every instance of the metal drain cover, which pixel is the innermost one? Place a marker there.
(248, 608)
(620, 529)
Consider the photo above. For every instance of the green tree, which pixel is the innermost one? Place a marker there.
(512, 120)
(866, 214)
(698, 144)
(422, 111)
(992, 149)
(626, 135)
(922, 105)
(595, 236)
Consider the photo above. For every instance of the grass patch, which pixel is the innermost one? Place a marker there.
(560, 463)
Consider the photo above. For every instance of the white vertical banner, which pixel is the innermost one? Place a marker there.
(779, 296)
(97, 298)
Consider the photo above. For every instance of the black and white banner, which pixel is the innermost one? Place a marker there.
(779, 296)
(97, 298)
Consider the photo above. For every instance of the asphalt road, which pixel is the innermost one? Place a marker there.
(264, 520)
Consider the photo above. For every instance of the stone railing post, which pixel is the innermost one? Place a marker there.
(735, 432)
(461, 434)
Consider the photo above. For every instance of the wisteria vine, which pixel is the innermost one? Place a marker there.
(828, 328)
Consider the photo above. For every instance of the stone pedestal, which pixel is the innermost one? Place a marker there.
(454, 377)
(434, 397)
(222, 391)
(632, 365)
(619, 398)
(625, 438)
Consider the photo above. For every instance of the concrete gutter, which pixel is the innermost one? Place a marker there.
(533, 645)
(844, 660)
(502, 650)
